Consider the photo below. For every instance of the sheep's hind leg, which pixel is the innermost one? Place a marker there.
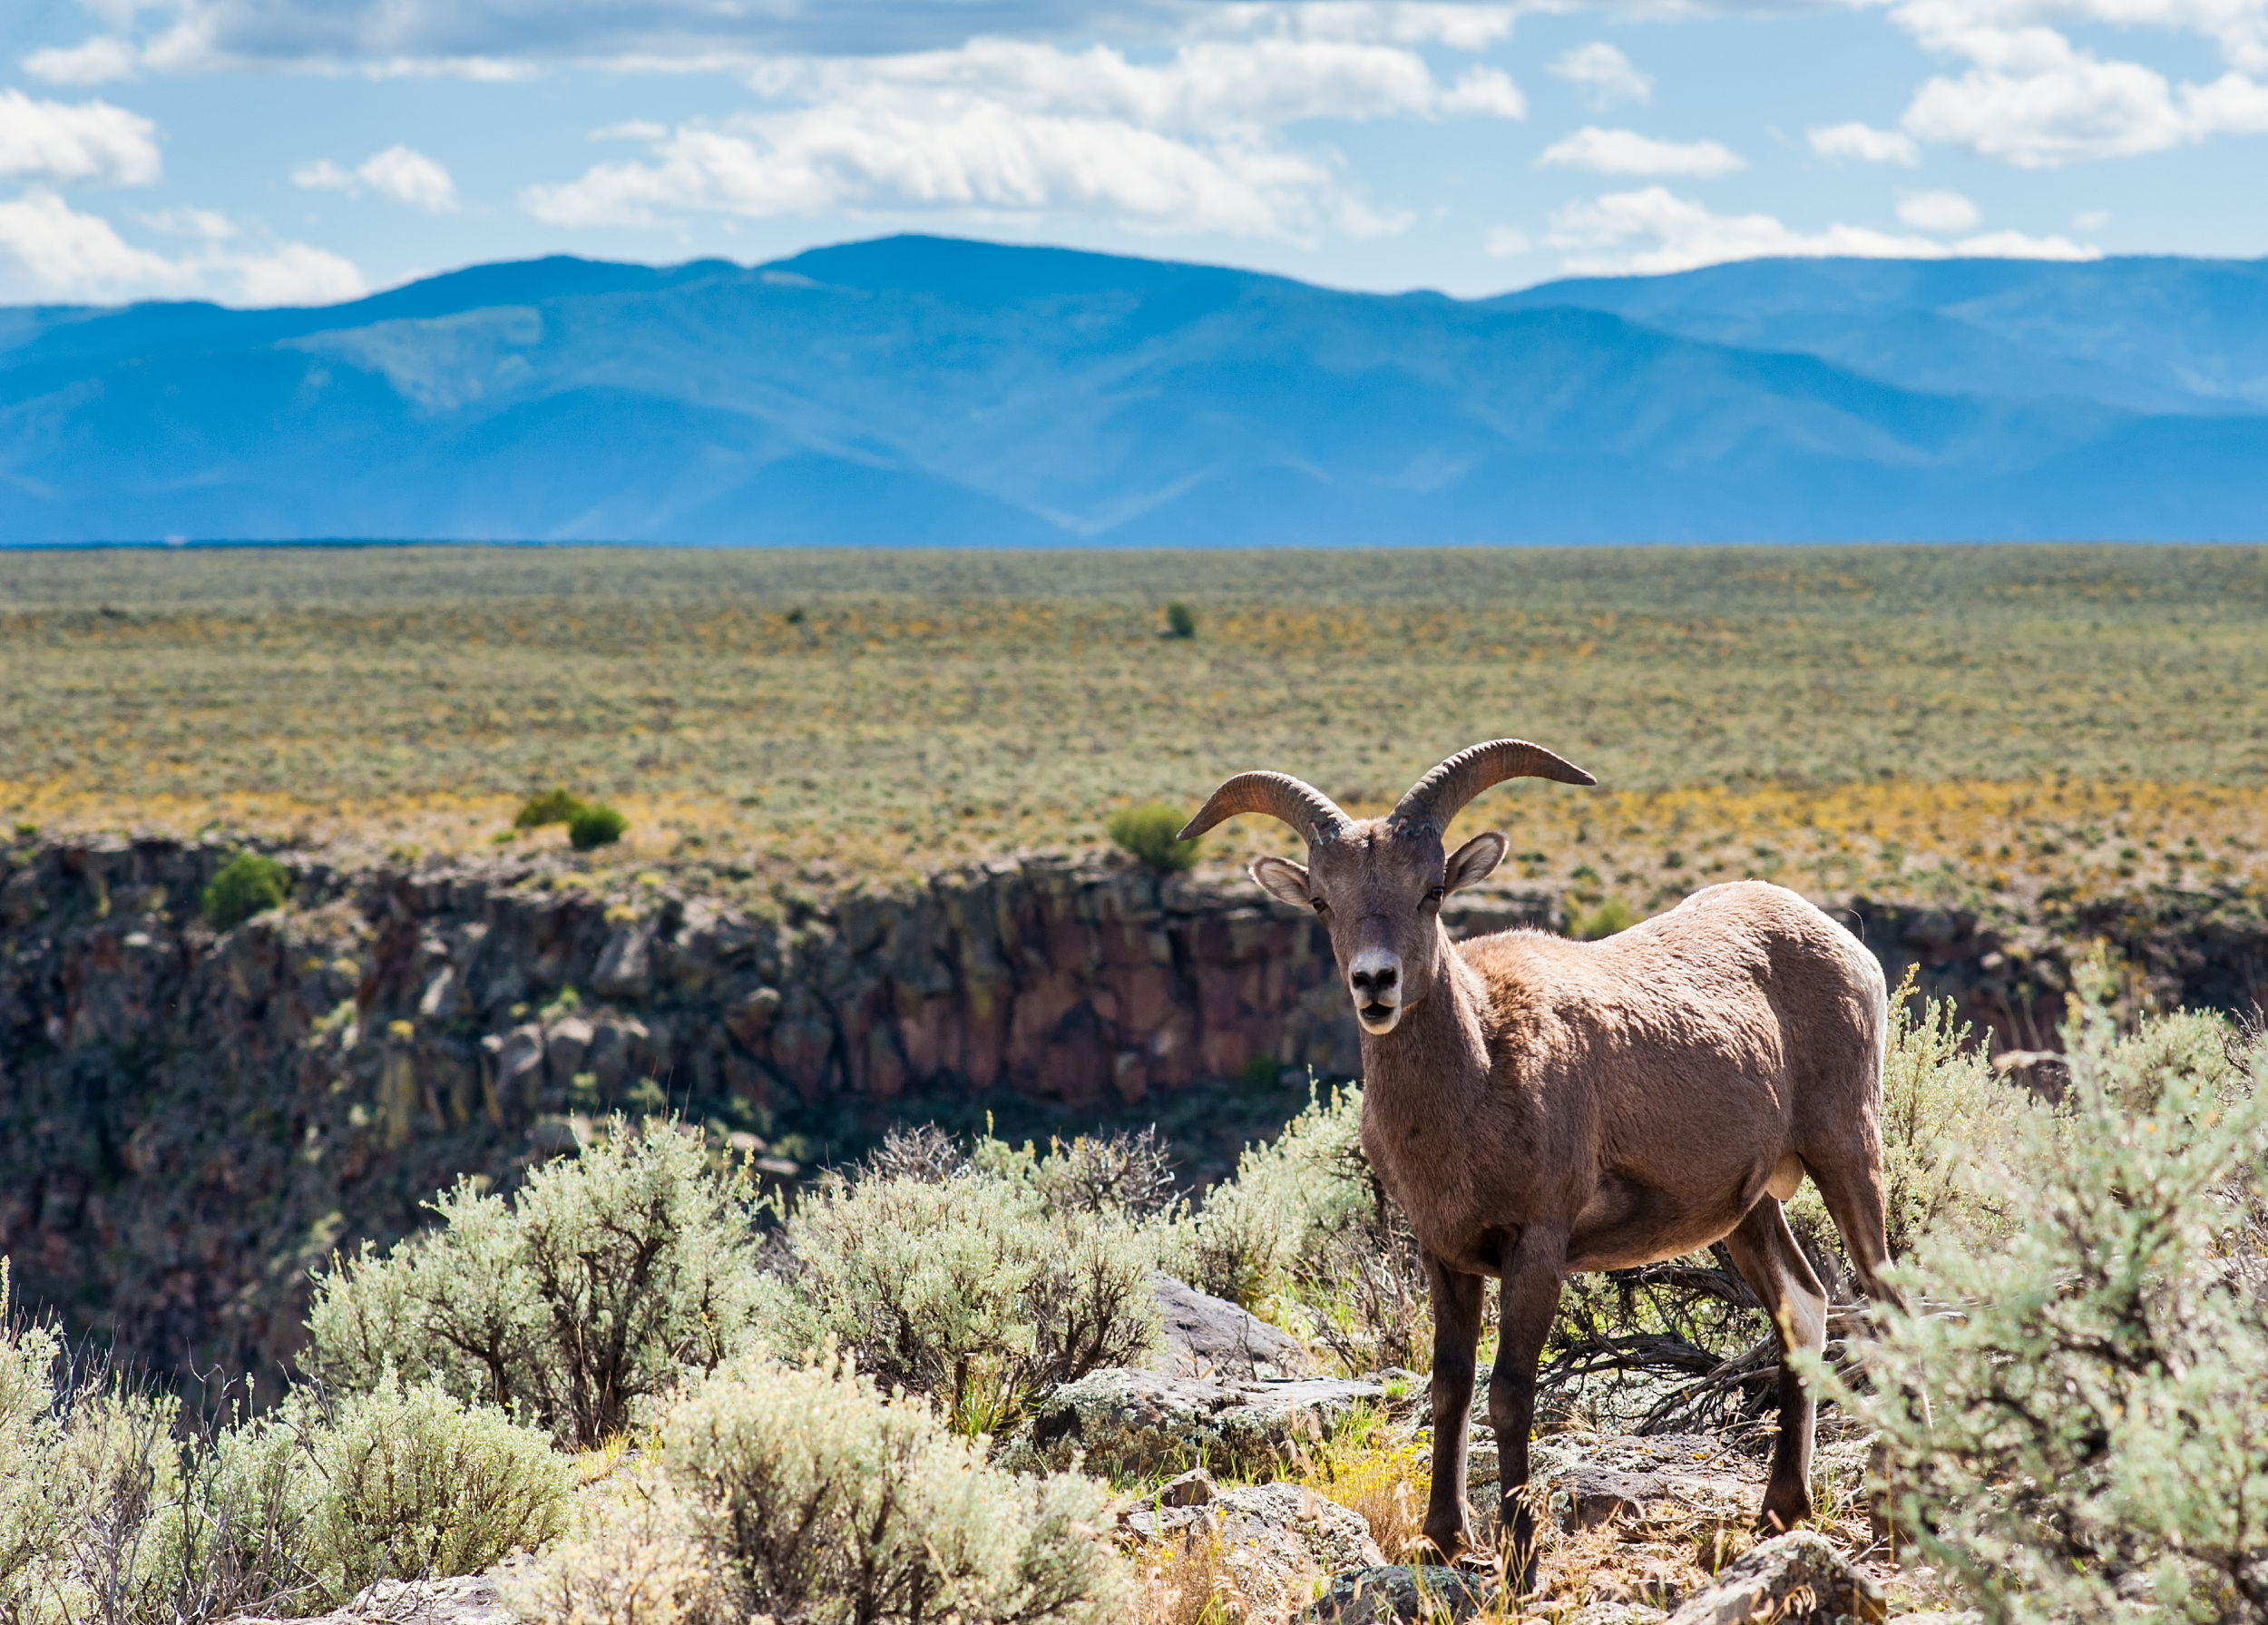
(1776, 1271)
(1530, 1299)
(1456, 1340)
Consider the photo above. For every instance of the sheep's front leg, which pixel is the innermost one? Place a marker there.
(1456, 1337)
(1531, 1296)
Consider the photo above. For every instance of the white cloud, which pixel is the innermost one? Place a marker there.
(1938, 211)
(1653, 231)
(630, 130)
(323, 175)
(401, 173)
(61, 254)
(1866, 145)
(1626, 153)
(1192, 142)
(98, 60)
(2035, 100)
(979, 156)
(1504, 242)
(2093, 220)
(1604, 74)
(83, 141)
(207, 223)
(1459, 26)
(408, 176)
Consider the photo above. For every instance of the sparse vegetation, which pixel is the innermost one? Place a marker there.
(603, 1283)
(2083, 1435)
(1949, 724)
(247, 884)
(1180, 621)
(556, 806)
(594, 826)
(1151, 834)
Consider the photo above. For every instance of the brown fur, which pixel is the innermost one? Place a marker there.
(1539, 1106)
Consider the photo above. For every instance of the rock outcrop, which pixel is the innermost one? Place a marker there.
(1121, 1424)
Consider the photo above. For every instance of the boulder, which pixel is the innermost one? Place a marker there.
(1790, 1579)
(1208, 1336)
(1278, 1540)
(1400, 1594)
(1124, 1423)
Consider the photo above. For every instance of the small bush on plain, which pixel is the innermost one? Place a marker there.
(824, 1500)
(1152, 833)
(601, 1283)
(554, 806)
(1180, 621)
(2095, 1440)
(595, 826)
(247, 885)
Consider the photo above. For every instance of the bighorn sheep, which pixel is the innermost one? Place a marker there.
(1539, 1105)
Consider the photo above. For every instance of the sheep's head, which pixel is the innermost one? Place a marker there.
(1377, 884)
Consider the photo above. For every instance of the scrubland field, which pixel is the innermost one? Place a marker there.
(1944, 722)
(657, 1390)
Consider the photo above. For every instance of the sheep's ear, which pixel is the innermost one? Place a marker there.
(1282, 879)
(1475, 861)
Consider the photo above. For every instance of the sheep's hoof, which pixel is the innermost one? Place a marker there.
(1783, 1513)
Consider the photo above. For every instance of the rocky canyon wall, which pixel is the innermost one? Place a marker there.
(191, 1121)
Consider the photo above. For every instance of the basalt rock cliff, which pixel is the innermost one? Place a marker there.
(191, 1122)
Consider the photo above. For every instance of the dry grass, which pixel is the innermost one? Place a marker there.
(1187, 1582)
(1834, 716)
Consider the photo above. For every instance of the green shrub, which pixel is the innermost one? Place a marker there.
(827, 1502)
(1249, 1239)
(1152, 833)
(247, 885)
(1180, 621)
(417, 1484)
(595, 826)
(1948, 1122)
(971, 1288)
(2095, 1439)
(1610, 916)
(605, 1279)
(554, 806)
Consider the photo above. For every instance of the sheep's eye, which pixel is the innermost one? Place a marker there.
(1319, 906)
(1435, 896)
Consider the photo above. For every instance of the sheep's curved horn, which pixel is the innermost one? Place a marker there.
(1302, 806)
(1437, 797)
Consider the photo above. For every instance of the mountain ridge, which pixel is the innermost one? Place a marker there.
(927, 390)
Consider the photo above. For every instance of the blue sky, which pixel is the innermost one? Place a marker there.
(262, 151)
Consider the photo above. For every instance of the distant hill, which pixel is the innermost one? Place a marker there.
(924, 391)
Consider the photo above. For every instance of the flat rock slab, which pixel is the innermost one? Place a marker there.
(1208, 1336)
(1790, 1579)
(1400, 1594)
(1122, 1424)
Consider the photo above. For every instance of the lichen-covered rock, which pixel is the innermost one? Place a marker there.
(1279, 1542)
(1400, 1594)
(1790, 1579)
(1122, 1424)
(1208, 1336)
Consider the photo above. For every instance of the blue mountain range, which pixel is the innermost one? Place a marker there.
(919, 390)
